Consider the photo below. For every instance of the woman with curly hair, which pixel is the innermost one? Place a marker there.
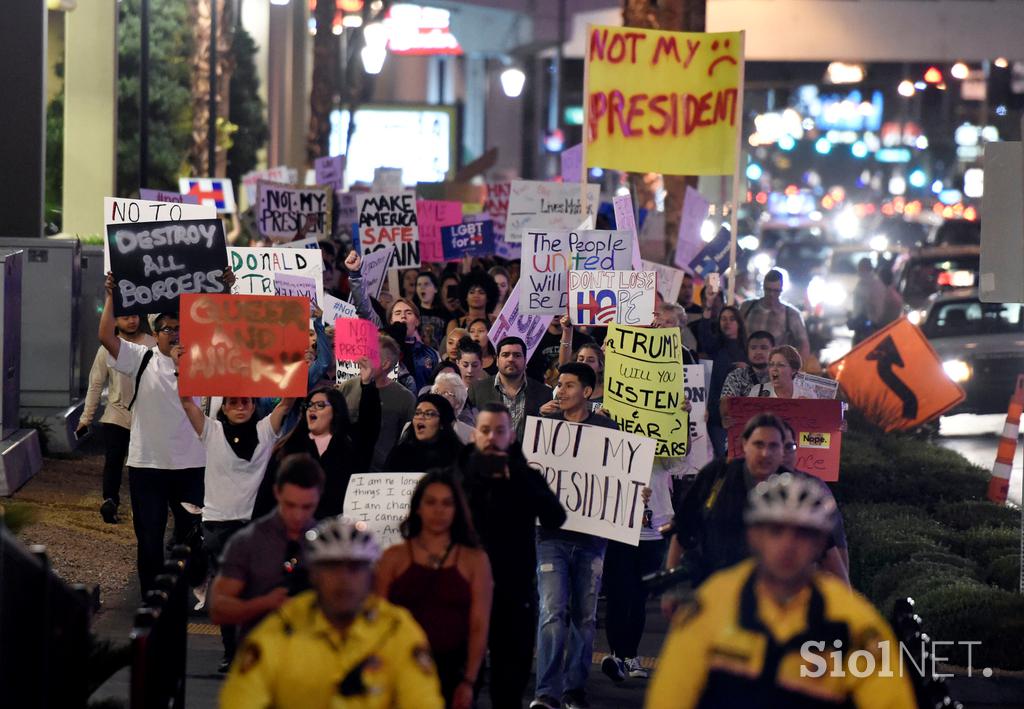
(478, 295)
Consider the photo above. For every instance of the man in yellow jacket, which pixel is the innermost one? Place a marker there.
(336, 646)
(762, 634)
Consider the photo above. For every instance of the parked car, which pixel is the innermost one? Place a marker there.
(927, 271)
(981, 346)
(956, 232)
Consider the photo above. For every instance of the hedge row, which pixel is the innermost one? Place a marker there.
(919, 525)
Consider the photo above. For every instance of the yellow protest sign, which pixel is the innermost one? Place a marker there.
(664, 102)
(643, 385)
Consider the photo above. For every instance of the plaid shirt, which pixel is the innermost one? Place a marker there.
(741, 380)
(516, 404)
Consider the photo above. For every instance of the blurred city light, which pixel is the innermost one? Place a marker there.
(932, 75)
(1001, 62)
(842, 73)
(906, 88)
(918, 178)
(823, 146)
(512, 81)
(859, 149)
(787, 143)
(754, 171)
(959, 71)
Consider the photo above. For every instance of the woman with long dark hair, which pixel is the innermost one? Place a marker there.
(430, 442)
(478, 296)
(326, 432)
(478, 332)
(442, 576)
(731, 352)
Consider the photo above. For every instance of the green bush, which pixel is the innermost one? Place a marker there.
(966, 612)
(986, 544)
(1004, 572)
(896, 579)
(919, 586)
(941, 557)
(976, 513)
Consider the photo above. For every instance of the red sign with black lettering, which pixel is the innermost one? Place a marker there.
(243, 345)
(817, 424)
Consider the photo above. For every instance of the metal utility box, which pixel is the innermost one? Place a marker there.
(93, 295)
(51, 291)
(10, 340)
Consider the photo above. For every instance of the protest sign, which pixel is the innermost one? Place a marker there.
(390, 220)
(156, 262)
(310, 243)
(548, 256)
(373, 268)
(808, 386)
(346, 214)
(381, 502)
(896, 378)
(670, 280)
(512, 322)
(250, 180)
(171, 197)
(505, 250)
(597, 474)
(817, 425)
(496, 205)
(602, 297)
(355, 339)
(699, 452)
(255, 268)
(298, 286)
(643, 385)
(688, 241)
(387, 179)
(334, 308)
(216, 191)
(549, 206)
(572, 163)
(243, 346)
(714, 256)
(330, 171)
(663, 102)
(286, 211)
(625, 220)
(470, 238)
(431, 216)
(138, 211)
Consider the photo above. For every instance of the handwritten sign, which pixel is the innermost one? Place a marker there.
(551, 206)
(602, 297)
(597, 474)
(699, 452)
(714, 256)
(689, 243)
(548, 256)
(496, 205)
(471, 238)
(140, 211)
(643, 385)
(381, 501)
(330, 171)
(243, 346)
(512, 322)
(155, 263)
(298, 286)
(572, 163)
(250, 180)
(432, 216)
(625, 220)
(334, 308)
(255, 268)
(215, 191)
(387, 179)
(670, 280)
(390, 220)
(817, 424)
(355, 339)
(374, 266)
(170, 197)
(284, 211)
(662, 101)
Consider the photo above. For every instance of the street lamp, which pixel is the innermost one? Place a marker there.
(512, 81)
(376, 49)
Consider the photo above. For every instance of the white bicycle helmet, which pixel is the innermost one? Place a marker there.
(792, 499)
(338, 539)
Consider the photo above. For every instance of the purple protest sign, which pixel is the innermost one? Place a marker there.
(511, 323)
(172, 197)
(625, 221)
(689, 243)
(572, 163)
(330, 171)
(302, 286)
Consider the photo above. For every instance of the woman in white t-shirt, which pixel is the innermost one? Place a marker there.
(238, 448)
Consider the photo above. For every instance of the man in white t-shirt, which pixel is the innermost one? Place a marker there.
(165, 457)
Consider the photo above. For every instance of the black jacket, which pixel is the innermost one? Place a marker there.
(537, 394)
(415, 456)
(505, 513)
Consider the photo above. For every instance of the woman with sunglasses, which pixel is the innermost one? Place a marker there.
(430, 442)
(442, 576)
(326, 432)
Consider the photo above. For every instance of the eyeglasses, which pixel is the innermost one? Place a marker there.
(318, 405)
(169, 330)
(426, 414)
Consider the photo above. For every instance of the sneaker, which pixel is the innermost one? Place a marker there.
(544, 702)
(108, 510)
(635, 669)
(613, 667)
(575, 699)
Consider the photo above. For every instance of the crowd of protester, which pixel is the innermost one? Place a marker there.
(484, 570)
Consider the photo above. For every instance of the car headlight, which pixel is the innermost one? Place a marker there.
(828, 292)
(957, 370)
(915, 317)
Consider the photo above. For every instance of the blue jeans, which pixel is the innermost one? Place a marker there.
(568, 578)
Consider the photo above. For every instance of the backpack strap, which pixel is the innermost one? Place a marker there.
(138, 376)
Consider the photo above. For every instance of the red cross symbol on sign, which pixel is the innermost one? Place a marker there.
(215, 193)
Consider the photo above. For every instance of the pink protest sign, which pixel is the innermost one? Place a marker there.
(572, 163)
(625, 221)
(432, 215)
(689, 243)
(354, 339)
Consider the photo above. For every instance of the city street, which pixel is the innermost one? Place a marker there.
(976, 438)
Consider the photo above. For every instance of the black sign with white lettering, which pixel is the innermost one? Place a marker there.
(154, 263)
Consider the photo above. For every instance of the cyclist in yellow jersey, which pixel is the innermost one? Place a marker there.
(336, 646)
(762, 634)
